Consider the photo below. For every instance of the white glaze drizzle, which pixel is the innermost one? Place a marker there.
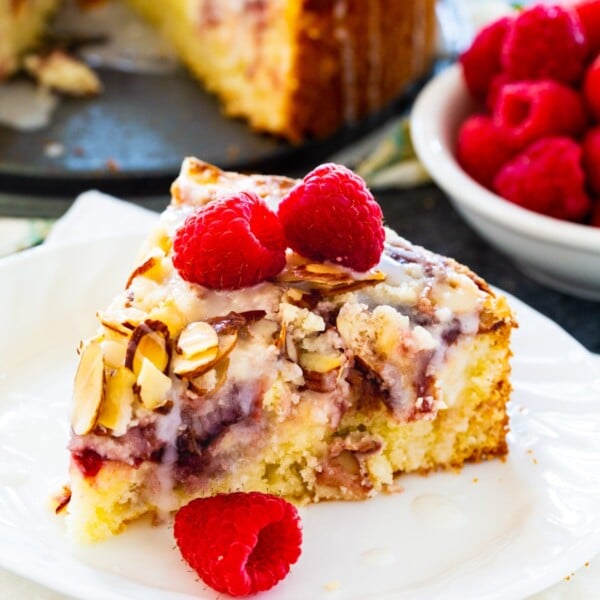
(25, 107)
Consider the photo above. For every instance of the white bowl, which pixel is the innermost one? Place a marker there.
(562, 255)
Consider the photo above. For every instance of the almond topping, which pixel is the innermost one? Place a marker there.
(320, 363)
(145, 268)
(329, 279)
(199, 364)
(150, 340)
(154, 385)
(88, 391)
(198, 339)
(116, 408)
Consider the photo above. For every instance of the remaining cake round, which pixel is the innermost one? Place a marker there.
(320, 383)
(293, 68)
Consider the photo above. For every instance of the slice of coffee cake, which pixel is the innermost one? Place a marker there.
(312, 381)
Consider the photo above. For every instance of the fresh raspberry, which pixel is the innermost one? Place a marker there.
(331, 215)
(233, 242)
(481, 62)
(588, 12)
(591, 159)
(482, 149)
(239, 543)
(591, 89)
(88, 461)
(527, 111)
(545, 42)
(496, 85)
(547, 178)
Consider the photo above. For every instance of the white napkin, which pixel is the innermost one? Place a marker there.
(95, 215)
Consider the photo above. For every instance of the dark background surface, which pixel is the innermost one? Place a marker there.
(130, 140)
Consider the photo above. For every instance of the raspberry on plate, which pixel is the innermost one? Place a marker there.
(527, 111)
(481, 62)
(236, 241)
(591, 89)
(545, 42)
(482, 149)
(331, 215)
(547, 178)
(239, 543)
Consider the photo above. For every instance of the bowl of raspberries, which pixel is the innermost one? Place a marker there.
(512, 134)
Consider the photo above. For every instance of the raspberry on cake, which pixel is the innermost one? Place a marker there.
(318, 382)
(331, 215)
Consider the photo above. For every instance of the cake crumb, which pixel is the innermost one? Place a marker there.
(112, 165)
(475, 479)
(54, 150)
(332, 586)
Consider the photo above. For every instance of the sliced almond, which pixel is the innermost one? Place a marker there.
(198, 339)
(154, 386)
(114, 352)
(116, 409)
(88, 390)
(280, 342)
(149, 267)
(329, 279)
(122, 329)
(233, 321)
(168, 313)
(325, 270)
(316, 274)
(358, 284)
(204, 384)
(290, 348)
(149, 340)
(321, 382)
(195, 366)
(320, 363)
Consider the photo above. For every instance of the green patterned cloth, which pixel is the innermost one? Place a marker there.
(20, 233)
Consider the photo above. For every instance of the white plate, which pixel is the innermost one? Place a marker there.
(496, 530)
